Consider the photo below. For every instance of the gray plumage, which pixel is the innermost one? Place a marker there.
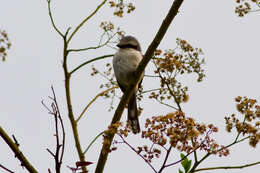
(125, 63)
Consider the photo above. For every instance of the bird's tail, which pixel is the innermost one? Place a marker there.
(133, 114)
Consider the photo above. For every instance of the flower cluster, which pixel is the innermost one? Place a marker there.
(107, 26)
(170, 65)
(110, 31)
(245, 6)
(4, 44)
(182, 133)
(120, 7)
(249, 124)
(148, 153)
(183, 59)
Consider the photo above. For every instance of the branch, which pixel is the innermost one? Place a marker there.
(17, 152)
(196, 164)
(227, 167)
(132, 148)
(93, 100)
(165, 159)
(91, 143)
(85, 20)
(147, 57)
(8, 170)
(95, 47)
(89, 61)
(52, 21)
(57, 117)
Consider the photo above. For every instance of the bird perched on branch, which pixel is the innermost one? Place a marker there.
(125, 63)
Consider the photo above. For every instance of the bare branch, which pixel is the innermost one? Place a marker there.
(8, 170)
(58, 120)
(94, 47)
(52, 21)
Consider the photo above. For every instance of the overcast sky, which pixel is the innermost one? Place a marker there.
(231, 47)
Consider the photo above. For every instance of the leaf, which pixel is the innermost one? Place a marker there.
(84, 163)
(180, 171)
(186, 163)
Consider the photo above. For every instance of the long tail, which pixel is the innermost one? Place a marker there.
(133, 114)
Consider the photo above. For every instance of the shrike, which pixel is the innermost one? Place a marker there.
(125, 63)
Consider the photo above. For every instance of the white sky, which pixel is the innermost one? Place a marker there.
(230, 44)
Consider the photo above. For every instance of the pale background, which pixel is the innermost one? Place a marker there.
(230, 43)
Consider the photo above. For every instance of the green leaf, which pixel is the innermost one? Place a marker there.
(180, 171)
(186, 163)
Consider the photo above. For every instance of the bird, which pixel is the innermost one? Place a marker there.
(125, 63)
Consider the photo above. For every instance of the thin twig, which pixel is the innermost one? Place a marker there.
(92, 142)
(174, 163)
(8, 170)
(51, 153)
(61, 123)
(132, 148)
(93, 47)
(167, 105)
(57, 117)
(147, 91)
(89, 61)
(15, 140)
(165, 159)
(196, 164)
(93, 100)
(52, 21)
(85, 20)
(227, 167)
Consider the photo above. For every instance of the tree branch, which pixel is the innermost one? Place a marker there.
(17, 152)
(57, 117)
(147, 57)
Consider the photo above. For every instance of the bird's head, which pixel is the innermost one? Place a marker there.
(129, 42)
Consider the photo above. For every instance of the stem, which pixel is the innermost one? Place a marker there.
(69, 104)
(165, 160)
(93, 100)
(8, 170)
(52, 21)
(196, 164)
(227, 167)
(89, 61)
(85, 20)
(92, 142)
(132, 148)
